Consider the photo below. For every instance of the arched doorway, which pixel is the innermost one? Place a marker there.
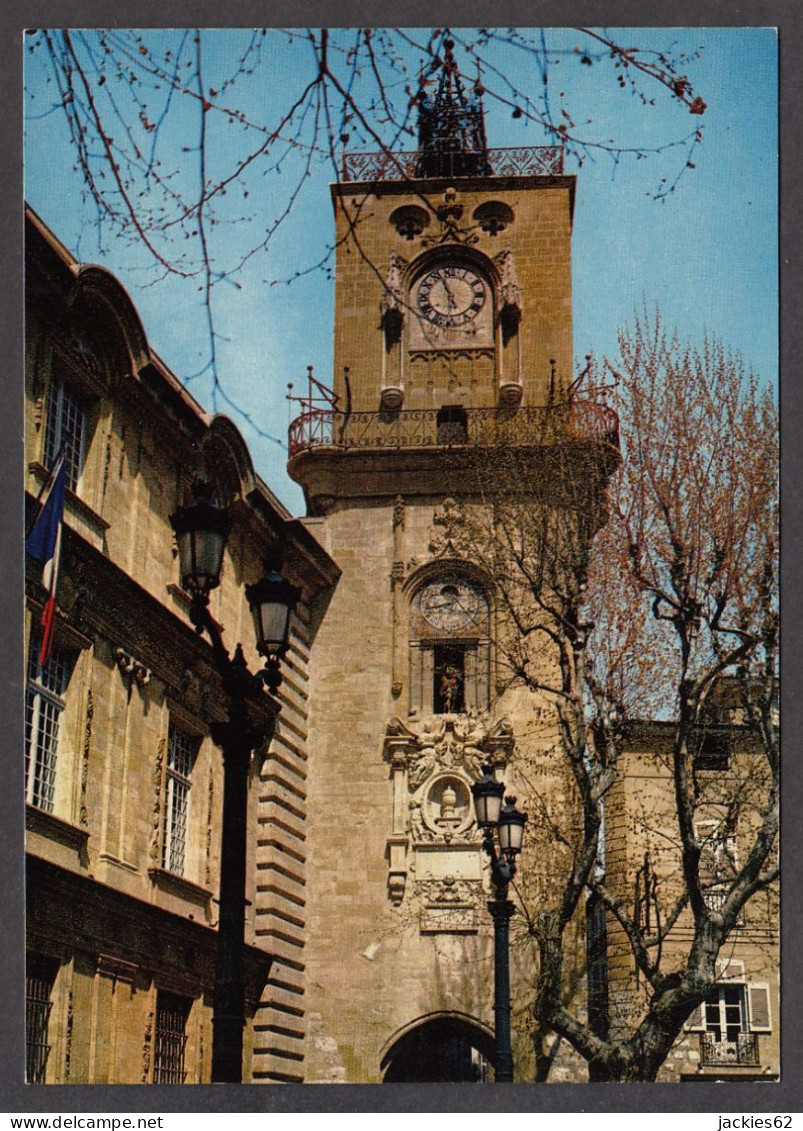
(447, 1047)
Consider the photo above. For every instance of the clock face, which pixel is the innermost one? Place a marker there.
(451, 605)
(451, 296)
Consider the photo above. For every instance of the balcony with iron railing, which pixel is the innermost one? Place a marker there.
(524, 161)
(531, 426)
(742, 1052)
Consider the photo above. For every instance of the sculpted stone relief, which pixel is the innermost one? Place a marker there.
(448, 535)
(435, 839)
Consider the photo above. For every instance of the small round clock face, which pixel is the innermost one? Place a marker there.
(451, 296)
(450, 605)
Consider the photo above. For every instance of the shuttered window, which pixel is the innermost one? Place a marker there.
(758, 999)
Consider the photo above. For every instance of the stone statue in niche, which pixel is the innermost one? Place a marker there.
(510, 294)
(451, 686)
(391, 305)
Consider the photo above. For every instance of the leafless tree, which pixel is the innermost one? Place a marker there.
(171, 160)
(646, 608)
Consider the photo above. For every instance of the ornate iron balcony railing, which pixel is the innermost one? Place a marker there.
(528, 161)
(744, 1050)
(477, 427)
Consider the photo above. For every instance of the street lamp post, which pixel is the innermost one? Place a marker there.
(201, 530)
(508, 823)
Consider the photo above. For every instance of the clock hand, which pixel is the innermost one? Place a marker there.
(450, 299)
(440, 603)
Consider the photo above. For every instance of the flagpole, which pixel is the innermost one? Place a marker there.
(46, 486)
(48, 620)
(44, 544)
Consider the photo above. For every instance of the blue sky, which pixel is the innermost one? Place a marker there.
(706, 254)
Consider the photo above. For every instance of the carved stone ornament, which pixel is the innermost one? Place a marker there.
(85, 754)
(510, 294)
(323, 504)
(434, 761)
(449, 905)
(493, 216)
(449, 742)
(447, 892)
(409, 220)
(509, 289)
(147, 1040)
(393, 294)
(156, 804)
(81, 352)
(449, 214)
(132, 667)
(448, 533)
(391, 305)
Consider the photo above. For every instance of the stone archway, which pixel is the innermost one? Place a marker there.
(445, 1047)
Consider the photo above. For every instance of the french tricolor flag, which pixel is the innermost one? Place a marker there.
(44, 544)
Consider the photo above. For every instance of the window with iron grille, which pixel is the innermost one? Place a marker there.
(66, 425)
(726, 1039)
(182, 749)
(172, 1012)
(44, 704)
(40, 975)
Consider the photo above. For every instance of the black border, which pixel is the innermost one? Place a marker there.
(783, 1097)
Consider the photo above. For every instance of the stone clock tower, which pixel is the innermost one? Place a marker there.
(453, 343)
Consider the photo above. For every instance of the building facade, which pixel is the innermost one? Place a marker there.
(452, 394)
(453, 359)
(369, 942)
(735, 1034)
(123, 782)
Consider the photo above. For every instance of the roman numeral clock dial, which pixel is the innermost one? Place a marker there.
(450, 297)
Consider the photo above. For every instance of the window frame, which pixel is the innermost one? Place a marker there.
(64, 406)
(40, 975)
(170, 1039)
(44, 703)
(720, 1024)
(181, 758)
